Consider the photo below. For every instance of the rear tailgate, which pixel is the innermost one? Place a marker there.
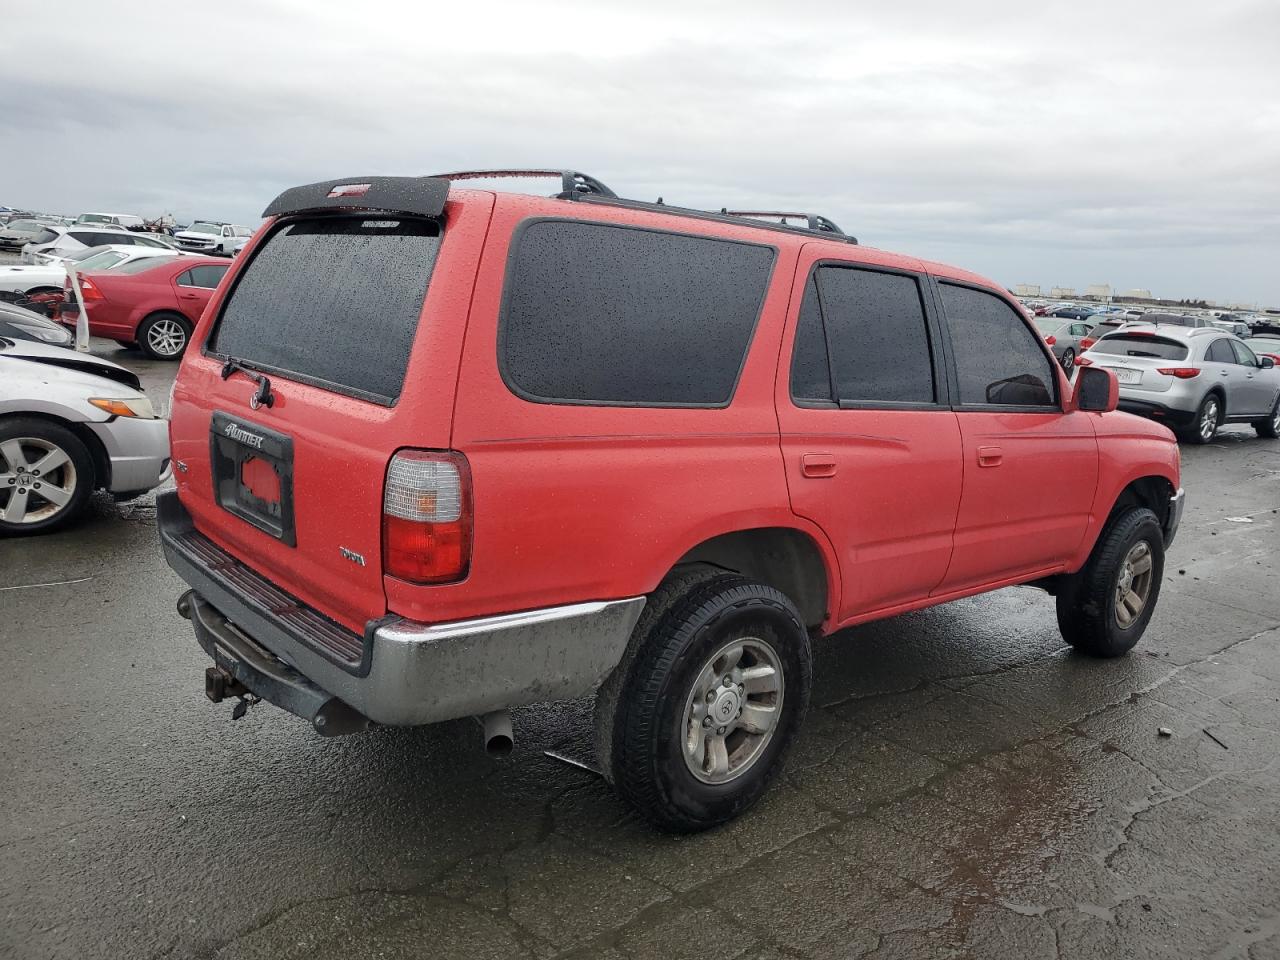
(328, 306)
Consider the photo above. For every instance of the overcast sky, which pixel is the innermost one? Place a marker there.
(1129, 142)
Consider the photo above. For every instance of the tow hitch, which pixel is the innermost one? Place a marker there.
(219, 684)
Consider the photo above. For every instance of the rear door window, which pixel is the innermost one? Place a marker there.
(1220, 352)
(869, 327)
(999, 361)
(333, 301)
(595, 313)
(1141, 345)
(208, 277)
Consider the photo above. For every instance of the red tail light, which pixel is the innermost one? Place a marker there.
(1088, 342)
(1051, 340)
(426, 517)
(1182, 373)
(88, 291)
(1083, 362)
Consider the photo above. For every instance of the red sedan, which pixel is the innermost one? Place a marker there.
(152, 303)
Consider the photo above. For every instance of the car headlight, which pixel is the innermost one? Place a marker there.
(139, 407)
(58, 336)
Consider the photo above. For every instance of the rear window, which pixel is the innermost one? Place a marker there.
(1134, 345)
(333, 301)
(603, 314)
(45, 236)
(142, 264)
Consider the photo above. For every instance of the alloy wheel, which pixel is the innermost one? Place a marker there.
(166, 337)
(1209, 419)
(1068, 362)
(1133, 587)
(37, 480)
(732, 710)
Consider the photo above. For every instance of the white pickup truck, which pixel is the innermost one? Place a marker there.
(211, 237)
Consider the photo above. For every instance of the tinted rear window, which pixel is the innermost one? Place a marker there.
(142, 264)
(333, 301)
(1131, 345)
(45, 236)
(596, 313)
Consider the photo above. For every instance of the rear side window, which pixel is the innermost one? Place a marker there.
(1220, 352)
(1133, 345)
(45, 236)
(334, 301)
(998, 359)
(870, 329)
(207, 277)
(601, 314)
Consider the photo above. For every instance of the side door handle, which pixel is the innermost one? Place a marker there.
(990, 456)
(818, 465)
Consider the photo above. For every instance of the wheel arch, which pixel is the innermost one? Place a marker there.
(787, 558)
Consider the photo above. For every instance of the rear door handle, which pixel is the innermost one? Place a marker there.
(990, 456)
(818, 465)
(192, 296)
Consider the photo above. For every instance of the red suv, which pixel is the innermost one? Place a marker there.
(443, 452)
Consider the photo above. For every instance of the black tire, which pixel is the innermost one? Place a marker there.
(76, 477)
(1200, 430)
(1088, 601)
(1269, 427)
(1069, 362)
(150, 342)
(642, 708)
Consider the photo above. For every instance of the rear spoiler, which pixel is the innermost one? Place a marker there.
(421, 196)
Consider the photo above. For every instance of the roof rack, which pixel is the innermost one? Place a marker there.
(573, 183)
(812, 221)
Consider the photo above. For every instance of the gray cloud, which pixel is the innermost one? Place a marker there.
(1135, 143)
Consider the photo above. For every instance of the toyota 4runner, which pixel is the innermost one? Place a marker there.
(442, 452)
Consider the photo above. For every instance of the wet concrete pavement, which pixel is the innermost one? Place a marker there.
(964, 786)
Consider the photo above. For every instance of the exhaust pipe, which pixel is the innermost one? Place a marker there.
(499, 741)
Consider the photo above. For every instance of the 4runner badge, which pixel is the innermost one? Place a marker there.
(241, 435)
(351, 555)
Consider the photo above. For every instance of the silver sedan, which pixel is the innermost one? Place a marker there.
(71, 423)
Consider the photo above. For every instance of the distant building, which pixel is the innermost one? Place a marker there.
(1137, 293)
(1062, 293)
(1098, 291)
(1026, 290)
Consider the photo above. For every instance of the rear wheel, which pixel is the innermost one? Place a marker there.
(1068, 362)
(164, 336)
(1104, 609)
(698, 716)
(46, 476)
(1269, 427)
(1208, 419)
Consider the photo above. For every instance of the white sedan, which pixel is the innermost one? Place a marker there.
(50, 277)
(71, 423)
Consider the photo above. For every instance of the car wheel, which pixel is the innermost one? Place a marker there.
(1068, 362)
(164, 336)
(46, 476)
(1270, 426)
(1208, 419)
(695, 722)
(1104, 609)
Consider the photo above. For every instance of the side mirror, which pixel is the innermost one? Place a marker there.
(1096, 390)
(1266, 363)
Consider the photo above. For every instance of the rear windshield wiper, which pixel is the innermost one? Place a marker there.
(262, 397)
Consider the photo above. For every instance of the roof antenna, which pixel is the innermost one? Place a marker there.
(659, 201)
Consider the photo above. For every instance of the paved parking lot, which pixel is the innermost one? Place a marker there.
(964, 786)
